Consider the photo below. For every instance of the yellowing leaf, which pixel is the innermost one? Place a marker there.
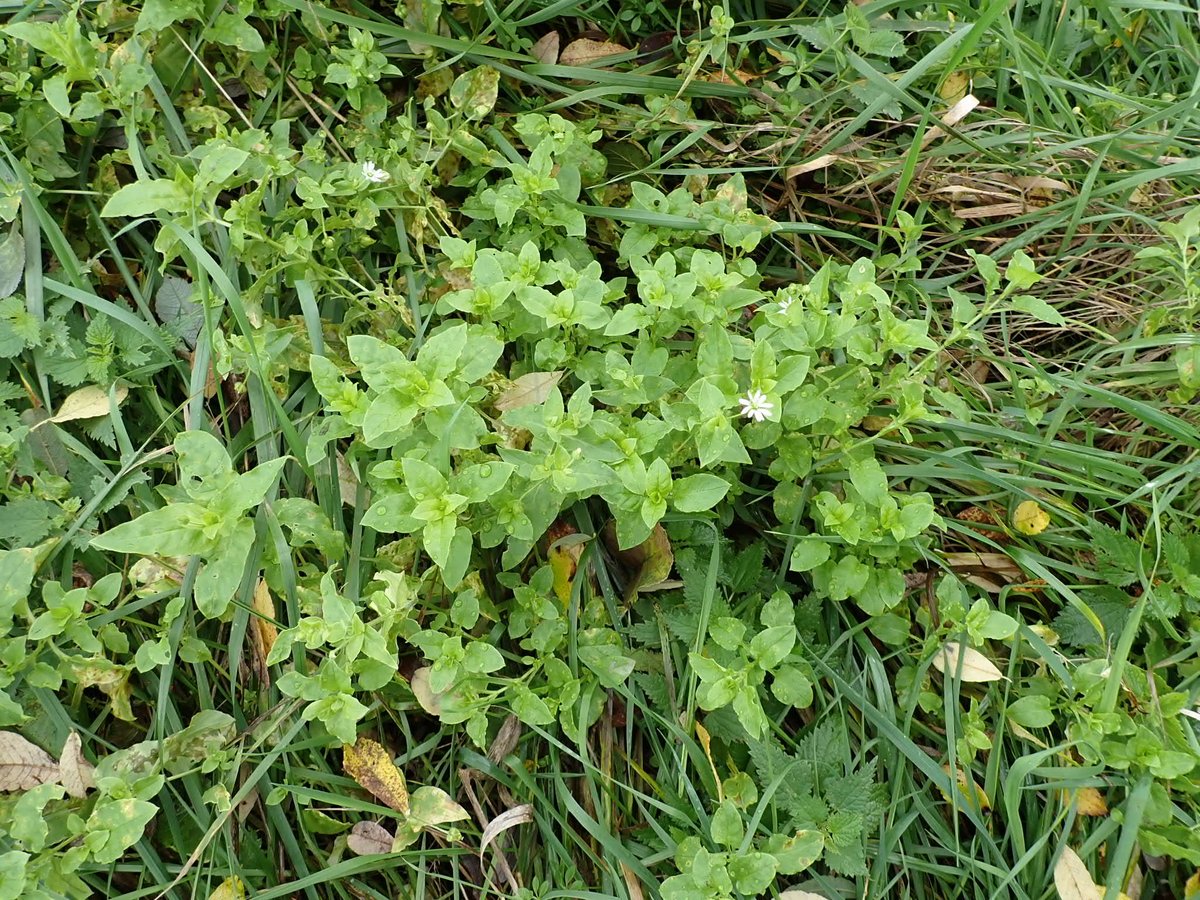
(74, 772)
(1029, 518)
(371, 765)
(24, 765)
(232, 888)
(1088, 801)
(430, 702)
(366, 838)
(87, 403)
(969, 791)
(954, 87)
(1192, 887)
(264, 626)
(649, 563)
(528, 390)
(585, 52)
(975, 666)
(1072, 878)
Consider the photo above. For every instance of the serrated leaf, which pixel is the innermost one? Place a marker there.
(975, 666)
(1072, 879)
(368, 763)
(367, 838)
(24, 765)
(88, 402)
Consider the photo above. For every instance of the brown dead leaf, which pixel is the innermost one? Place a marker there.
(367, 838)
(821, 162)
(546, 49)
(24, 765)
(586, 52)
(990, 571)
(263, 621)
(528, 390)
(74, 772)
(510, 818)
(368, 763)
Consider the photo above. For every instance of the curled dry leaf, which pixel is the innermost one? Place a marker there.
(546, 49)
(371, 765)
(510, 818)
(1072, 878)
(586, 52)
(24, 765)
(74, 772)
(528, 390)
(975, 666)
(88, 402)
(366, 838)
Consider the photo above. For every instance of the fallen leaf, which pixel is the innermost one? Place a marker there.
(1072, 878)
(800, 895)
(1029, 518)
(506, 739)
(371, 766)
(89, 402)
(990, 571)
(528, 390)
(232, 888)
(968, 790)
(975, 666)
(950, 118)
(812, 165)
(367, 838)
(510, 818)
(264, 624)
(631, 883)
(649, 563)
(74, 771)
(24, 765)
(546, 49)
(584, 52)
(954, 87)
(347, 482)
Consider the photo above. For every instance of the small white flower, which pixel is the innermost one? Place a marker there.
(785, 304)
(756, 406)
(374, 174)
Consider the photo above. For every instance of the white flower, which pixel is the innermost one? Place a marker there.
(374, 174)
(756, 406)
(785, 304)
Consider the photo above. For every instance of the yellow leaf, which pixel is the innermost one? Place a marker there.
(975, 666)
(232, 888)
(1029, 518)
(969, 790)
(1072, 878)
(89, 402)
(954, 88)
(263, 622)
(371, 766)
(585, 52)
(1192, 887)
(1088, 801)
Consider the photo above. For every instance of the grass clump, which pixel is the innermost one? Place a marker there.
(598, 451)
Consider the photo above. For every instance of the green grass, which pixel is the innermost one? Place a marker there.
(1101, 98)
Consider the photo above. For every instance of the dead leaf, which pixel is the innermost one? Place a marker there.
(506, 739)
(585, 52)
(371, 765)
(800, 895)
(546, 49)
(975, 666)
(510, 818)
(631, 883)
(74, 771)
(88, 402)
(1072, 878)
(24, 765)
(264, 624)
(347, 482)
(367, 838)
(528, 390)
(812, 165)
(990, 571)
(950, 118)
(232, 888)
(954, 86)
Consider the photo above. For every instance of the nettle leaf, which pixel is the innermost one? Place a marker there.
(698, 493)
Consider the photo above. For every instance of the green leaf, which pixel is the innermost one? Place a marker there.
(122, 822)
(12, 263)
(174, 530)
(772, 645)
(218, 581)
(869, 480)
(481, 658)
(792, 687)
(529, 707)
(752, 873)
(727, 827)
(12, 874)
(432, 806)
(809, 553)
(1039, 309)
(158, 14)
(143, 198)
(1021, 272)
(697, 493)
(1031, 712)
(609, 665)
